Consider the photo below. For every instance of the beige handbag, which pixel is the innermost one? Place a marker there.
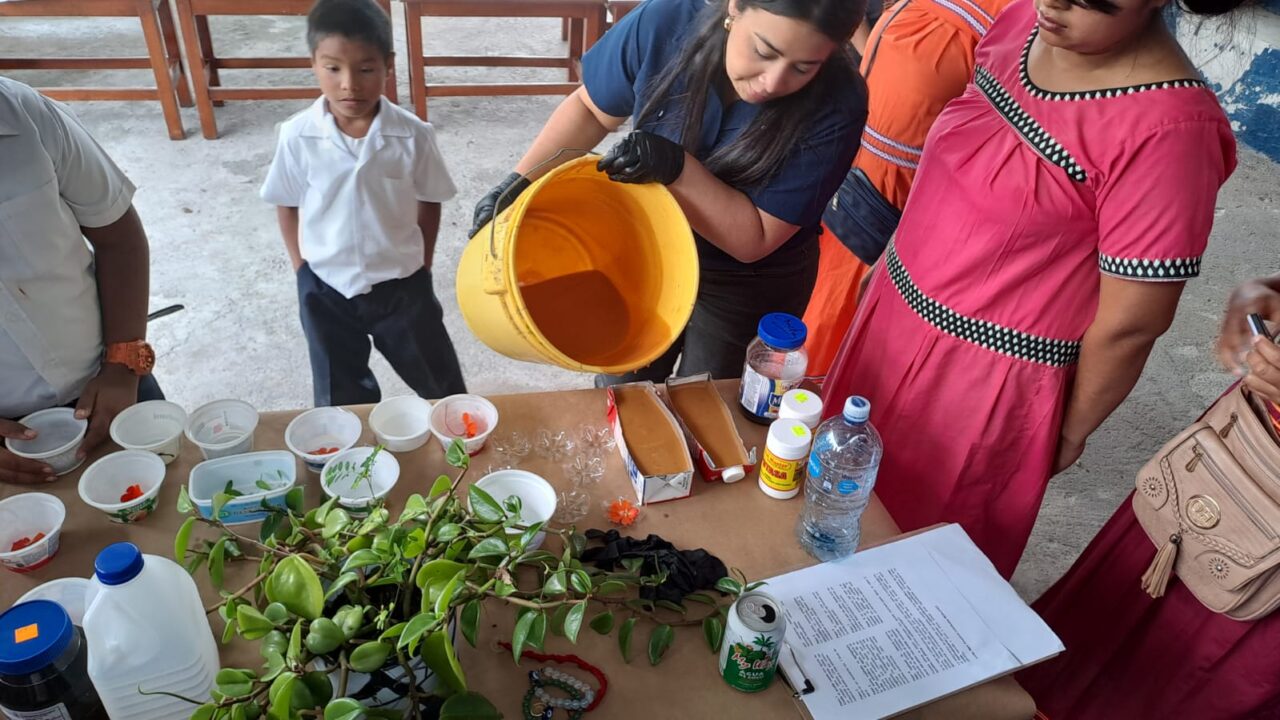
(1210, 501)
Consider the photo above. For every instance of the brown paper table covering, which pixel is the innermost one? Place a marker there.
(738, 523)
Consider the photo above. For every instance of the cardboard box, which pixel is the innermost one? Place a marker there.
(710, 429)
(651, 443)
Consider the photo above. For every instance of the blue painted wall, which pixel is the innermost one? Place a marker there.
(1253, 103)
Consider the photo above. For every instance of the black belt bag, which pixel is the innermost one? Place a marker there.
(861, 218)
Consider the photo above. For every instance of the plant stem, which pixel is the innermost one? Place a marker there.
(237, 594)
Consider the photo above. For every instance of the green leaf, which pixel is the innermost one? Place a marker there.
(394, 631)
(489, 547)
(573, 621)
(343, 580)
(470, 618)
(484, 506)
(526, 537)
(673, 607)
(603, 623)
(729, 585)
(502, 589)
(468, 706)
(440, 487)
(219, 500)
(554, 584)
(703, 598)
(415, 629)
(294, 500)
(438, 573)
(438, 654)
(234, 683)
(269, 525)
(446, 595)
(322, 512)
(369, 656)
(294, 655)
(253, 624)
(182, 540)
(360, 559)
(273, 667)
(611, 587)
(204, 712)
(624, 638)
(335, 521)
(558, 618)
(448, 532)
(456, 455)
(414, 507)
(580, 581)
(713, 631)
(659, 642)
(281, 696)
(633, 564)
(343, 709)
(276, 613)
(184, 501)
(217, 561)
(521, 634)
(538, 632)
(295, 584)
(323, 636)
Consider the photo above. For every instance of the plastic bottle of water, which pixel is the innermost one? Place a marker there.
(146, 628)
(842, 471)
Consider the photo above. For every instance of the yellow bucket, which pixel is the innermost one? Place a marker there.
(582, 272)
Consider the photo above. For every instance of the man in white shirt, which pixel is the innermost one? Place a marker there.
(73, 315)
(358, 183)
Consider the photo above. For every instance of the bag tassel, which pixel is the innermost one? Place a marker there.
(1156, 579)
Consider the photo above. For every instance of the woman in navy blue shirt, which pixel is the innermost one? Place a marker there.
(750, 112)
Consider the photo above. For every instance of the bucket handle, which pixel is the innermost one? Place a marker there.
(493, 224)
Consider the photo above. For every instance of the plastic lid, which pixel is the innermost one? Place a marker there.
(782, 331)
(791, 435)
(733, 474)
(118, 564)
(33, 635)
(857, 409)
(801, 405)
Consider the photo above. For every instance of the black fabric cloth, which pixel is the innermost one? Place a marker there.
(688, 571)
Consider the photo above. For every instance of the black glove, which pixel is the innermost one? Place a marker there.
(688, 571)
(488, 208)
(643, 157)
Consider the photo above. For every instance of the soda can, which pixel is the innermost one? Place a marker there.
(752, 642)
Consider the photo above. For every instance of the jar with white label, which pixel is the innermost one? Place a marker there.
(776, 362)
(44, 671)
(782, 468)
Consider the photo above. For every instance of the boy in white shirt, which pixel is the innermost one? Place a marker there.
(358, 183)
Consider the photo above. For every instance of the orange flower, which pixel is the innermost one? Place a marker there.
(133, 492)
(623, 512)
(472, 428)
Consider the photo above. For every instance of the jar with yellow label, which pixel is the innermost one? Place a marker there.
(783, 466)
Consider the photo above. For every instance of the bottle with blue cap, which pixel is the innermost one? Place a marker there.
(776, 362)
(842, 472)
(146, 628)
(44, 666)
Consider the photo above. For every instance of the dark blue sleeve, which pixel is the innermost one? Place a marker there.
(618, 68)
(799, 192)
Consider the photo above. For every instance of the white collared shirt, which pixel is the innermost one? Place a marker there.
(54, 179)
(358, 201)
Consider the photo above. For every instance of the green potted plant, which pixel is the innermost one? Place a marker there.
(335, 599)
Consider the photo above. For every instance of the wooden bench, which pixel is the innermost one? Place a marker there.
(193, 16)
(585, 17)
(163, 57)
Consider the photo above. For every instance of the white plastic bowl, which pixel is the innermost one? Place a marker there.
(338, 478)
(447, 422)
(322, 427)
(223, 427)
(537, 498)
(23, 516)
(401, 424)
(60, 435)
(259, 477)
(155, 426)
(71, 593)
(105, 481)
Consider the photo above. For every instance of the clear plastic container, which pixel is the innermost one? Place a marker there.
(43, 665)
(146, 628)
(842, 473)
(776, 362)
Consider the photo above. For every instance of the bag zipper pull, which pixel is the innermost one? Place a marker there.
(1226, 429)
(1196, 455)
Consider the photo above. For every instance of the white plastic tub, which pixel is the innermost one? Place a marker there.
(339, 478)
(320, 429)
(401, 424)
(155, 426)
(25, 516)
(447, 421)
(59, 437)
(106, 481)
(537, 498)
(261, 476)
(222, 428)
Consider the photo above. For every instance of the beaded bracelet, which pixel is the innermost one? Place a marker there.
(579, 695)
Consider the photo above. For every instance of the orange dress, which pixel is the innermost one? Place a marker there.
(919, 57)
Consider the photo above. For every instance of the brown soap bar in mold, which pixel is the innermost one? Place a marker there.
(703, 411)
(652, 438)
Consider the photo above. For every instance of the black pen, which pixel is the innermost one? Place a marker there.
(1258, 326)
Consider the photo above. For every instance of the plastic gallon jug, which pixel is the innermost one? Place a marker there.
(146, 628)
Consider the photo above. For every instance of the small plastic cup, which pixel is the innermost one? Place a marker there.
(71, 593)
(447, 421)
(338, 479)
(106, 483)
(537, 498)
(22, 518)
(155, 426)
(319, 434)
(222, 428)
(59, 437)
(401, 424)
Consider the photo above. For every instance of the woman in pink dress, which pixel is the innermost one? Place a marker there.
(1060, 206)
(1131, 656)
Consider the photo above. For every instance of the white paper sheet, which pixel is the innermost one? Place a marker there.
(906, 623)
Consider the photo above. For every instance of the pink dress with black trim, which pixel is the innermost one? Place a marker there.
(967, 340)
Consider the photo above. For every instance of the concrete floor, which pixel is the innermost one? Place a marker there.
(216, 250)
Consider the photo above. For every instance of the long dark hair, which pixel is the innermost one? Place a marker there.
(759, 151)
